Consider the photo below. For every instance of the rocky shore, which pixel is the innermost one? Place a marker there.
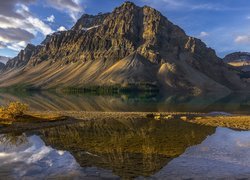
(44, 119)
(37, 120)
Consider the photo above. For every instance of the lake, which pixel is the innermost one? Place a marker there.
(126, 149)
(52, 101)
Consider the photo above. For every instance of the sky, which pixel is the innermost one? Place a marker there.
(223, 25)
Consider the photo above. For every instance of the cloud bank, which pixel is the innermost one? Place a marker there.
(18, 26)
(72, 7)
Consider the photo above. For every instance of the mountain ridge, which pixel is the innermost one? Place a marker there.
(237, 56)
(240, 60)
(98, 50)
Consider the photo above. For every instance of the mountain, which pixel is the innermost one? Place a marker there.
(239, 59)
(4, 59)
(2, 65)
(129, 47)
(22, 58)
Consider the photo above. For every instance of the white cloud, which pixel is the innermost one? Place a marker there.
(203, 34)
(72, 7)
(244, 39)
(61, 28)
(51, 18)
(24, 7)
(17, 46)
(33, 153)
(16, 31)
(39, 25)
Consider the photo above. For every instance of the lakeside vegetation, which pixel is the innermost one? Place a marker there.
(15, 113)
(131, 87)
(241, 122)
(13, 110)
(92, 89)
(15, 117)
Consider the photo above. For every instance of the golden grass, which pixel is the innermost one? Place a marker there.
(17, 110)
(51, 116)
(13, 110)
(237, 122)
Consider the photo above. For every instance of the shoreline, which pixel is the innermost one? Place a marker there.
(45, 119)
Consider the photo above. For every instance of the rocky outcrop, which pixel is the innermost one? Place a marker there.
(4, 59)
(98, 51)
(240, 60)
(237, 57)
(2, 65)
(88, 21)
(22, 58)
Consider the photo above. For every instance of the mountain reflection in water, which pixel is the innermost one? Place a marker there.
(224, 155)
(234, 103)
(127, 149)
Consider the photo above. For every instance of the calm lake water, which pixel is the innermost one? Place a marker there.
(126, 149)
(131, 149)
(233, 103)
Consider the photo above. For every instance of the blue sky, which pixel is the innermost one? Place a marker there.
(223, 25)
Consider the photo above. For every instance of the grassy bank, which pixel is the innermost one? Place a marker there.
(235, 122)
(15, 117)
(33, 120)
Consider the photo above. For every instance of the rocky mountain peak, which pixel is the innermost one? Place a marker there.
(4, 59)
(87, 21)
(2, 66)
(237, 56)
(102, 48)
(22, 58)
(128, 5)
(29, 47)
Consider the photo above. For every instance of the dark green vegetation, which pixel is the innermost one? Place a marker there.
(114, 89)
(19, 89)
(140, 88)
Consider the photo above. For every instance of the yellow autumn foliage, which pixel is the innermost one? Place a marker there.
(13, 110)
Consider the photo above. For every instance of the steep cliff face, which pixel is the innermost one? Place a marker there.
(4, 59)
(130, 45)
(88, 21)
(22, 58)
(2, 65)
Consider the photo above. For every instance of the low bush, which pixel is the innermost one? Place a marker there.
(13, 110)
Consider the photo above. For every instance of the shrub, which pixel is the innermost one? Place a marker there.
(13, 110)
